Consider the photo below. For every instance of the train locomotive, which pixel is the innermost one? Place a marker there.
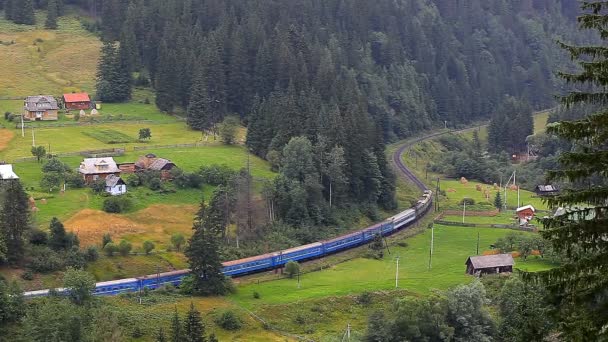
(267, 261)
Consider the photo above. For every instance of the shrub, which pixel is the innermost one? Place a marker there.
(75, 181)
(74, 258)
(105, 239)
(292, 268)
(43, 259)
(27, 275)
(364, 298)
(148, 247)
(98, 186)
(133, 181)
(124, 247)
(299, 319)
(6, 115)
(91, 254)
(177, 240)
(110, 248)
(38, 237)
(468, 201)
(116, 204)
(229, 320)
(137, 333)
(155, 184)
(256, 295)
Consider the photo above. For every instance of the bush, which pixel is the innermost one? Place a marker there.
(177, 240)
(124, 247)
(91, 254)
(75, 181)
(74, 258)
(110, 248)
(216, 174)
(468, 201)
(256, 295)
(43, 259)
(133, 181)
(98, 186)
(105, 239)
(148, 246)
(155, 184)
(137, 333)
(292, 268)
(364, 298)
(116, 205)
(229, 320)
(38, 237)
(27, 275)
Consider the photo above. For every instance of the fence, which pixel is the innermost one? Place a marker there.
(486, 225)
(108, 152)
(152, 147)
(472, 213)
(28, 124)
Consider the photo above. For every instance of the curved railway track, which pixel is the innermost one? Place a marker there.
(306, 252)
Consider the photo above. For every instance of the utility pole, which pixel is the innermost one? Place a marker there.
(22, 127)
(33, 137)
(464, 209)
(477, 242)
(432, 243)
(437, 195)
(298, 278)
(397, 274)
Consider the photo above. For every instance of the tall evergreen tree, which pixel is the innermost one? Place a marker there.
(57, 236)
(113, 76)
(177, 335)
(166, 83)
(22, 12)
(579, 284)
(203, 248)
(194, 329)
(51, 15)
(160, 335)
(14, 219)
(198, 112)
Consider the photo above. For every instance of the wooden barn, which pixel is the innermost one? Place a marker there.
(525, 214)
(40, 108)
(546, 190)
(153, 163)
(76, 101)
(490, 264)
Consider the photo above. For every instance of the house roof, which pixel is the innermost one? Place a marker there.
(113, 180)
(6, 172)
(546, 188)
(76, 97)
(93, 166)
(159, 164)
(151, 162)
(525, 207)
(488, 261)
(40, 102)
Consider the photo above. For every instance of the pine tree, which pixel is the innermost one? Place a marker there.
(113, 76)
(177, 334)
(579, 284)
(198, 116)
(23, 12)
(8, 9)
(160, 336)
(498, 201)
(166, 84)
(51, 15)
(203, 248)
(194, 329)
(14, 219)
(57, 236)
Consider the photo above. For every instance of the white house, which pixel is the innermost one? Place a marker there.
(6, 172)
(115, 185)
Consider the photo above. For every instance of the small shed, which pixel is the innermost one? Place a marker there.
(76, 101)
(525, 214)
(6, 172)
(490, 264)
(546, 190)
(115, 185)
(150, 162)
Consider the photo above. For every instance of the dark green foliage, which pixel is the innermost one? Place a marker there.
(20, 11)
(91, 254)
(116, 204)
(51, 15)
(194, 328)
(377, 246)
(203, 249)
(105, 239)
(579, 284)
(216, 174)
(498, 201)
(14, 219)
(137, 333)
(468, 201)
(113, 75)
(79, 285)
(98, 186)
(38, 237)
(228, 130)
(148, 246)
(511, 124)
(145, 134)
(12, 306)
(160, 336)
(110, 249)
(44, 260)
(177, 334)
(364, 298)
(59, 239)
(228, 320)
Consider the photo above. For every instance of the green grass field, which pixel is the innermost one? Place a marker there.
(109, 136)
(452, 247)
(502, 218)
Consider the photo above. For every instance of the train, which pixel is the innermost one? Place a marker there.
(274, 260)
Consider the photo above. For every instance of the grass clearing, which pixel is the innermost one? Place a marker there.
(109, 136)
(540, 121)
(502, 218)
(452, 247)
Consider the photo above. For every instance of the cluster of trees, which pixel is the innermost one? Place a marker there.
(525, 244)
(191, 328)
(22, 11)
(511, 124)
(114, 80)
(55, 173)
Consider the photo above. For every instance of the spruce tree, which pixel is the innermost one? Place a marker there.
(177, 335)
(106, 73)
(14, 219)
(8, 9)
(23, 12)
(203, 249)
(51, 15)
(57, 236)
(498, 201)
(166, 84)
(579, 285)
(194, 329)
(198, 116)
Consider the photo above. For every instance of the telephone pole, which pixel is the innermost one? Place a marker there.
(397, 274)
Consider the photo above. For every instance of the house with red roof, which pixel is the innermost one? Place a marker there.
(76, 101)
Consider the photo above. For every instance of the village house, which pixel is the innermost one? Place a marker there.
(525, 214)
(6, 172)
(40, 108)
(76, 101)
(115, 185)
(546, 190)
(93, 169)
(490, 264)
(150, 162)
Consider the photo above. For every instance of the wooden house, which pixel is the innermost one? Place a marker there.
(115, 185)
(93, 169)
(150, 162)
(76, 101)
(525, 214)
(546, 190)
(490, 264)
(40, 108)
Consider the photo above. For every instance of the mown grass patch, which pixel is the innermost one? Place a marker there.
(452, 247)
(502, 218)
(109, 136)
